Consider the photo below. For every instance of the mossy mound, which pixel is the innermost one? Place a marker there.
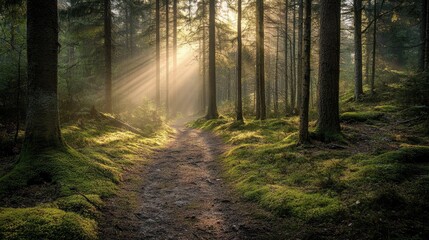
(360, 116)
(70, 170)
(45, 223)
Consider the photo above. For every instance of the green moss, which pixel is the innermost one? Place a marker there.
(396, 166)
(387, 108)
(360, 116)
(85, 205)
(44, 223)
(68, 169)
(347, 189)
(77, 178)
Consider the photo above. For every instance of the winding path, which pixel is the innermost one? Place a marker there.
(181, 194)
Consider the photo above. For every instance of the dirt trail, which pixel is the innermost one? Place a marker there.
(180, 194)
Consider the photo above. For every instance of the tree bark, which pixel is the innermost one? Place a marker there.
(212, 106)
(239, 101)
(300, 60)
(427, 39)
(424, 20)
(158, 55)
(174, 49)
(43, 127)
(293, 57)
(303, 126)
(329, 68)
(260, 71)
(374, 48)
(358, 48)
(276, 82)
(286, 92)
(108, 55)
(204, 90)
(167, 55)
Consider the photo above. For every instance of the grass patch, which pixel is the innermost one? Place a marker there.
(356, 191)
(58, 194)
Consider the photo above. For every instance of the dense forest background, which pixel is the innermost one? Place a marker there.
(324, 105)
(82, 66)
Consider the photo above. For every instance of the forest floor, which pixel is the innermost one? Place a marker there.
(181, 194)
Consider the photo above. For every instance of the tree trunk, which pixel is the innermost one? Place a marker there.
(260, 71)
(158, 55)
(329, 69)
(424, 20)
(108, 55)
(276, 82)
(18, 96)
(303, 126)
(374, 48)
(358, 48)
(204, 58)
(368, 49)
(300, 60)
(167, 55)
(174, 49)
(239, 101)
(293, 82)
(212, 106)
(268, 76)
(286, 96)
(426, 67)
(43, 128)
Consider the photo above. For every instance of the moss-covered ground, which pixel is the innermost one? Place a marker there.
(58, 194)
(373, 184)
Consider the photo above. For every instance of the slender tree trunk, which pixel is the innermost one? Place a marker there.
(424, 20)
(368, 49)
(204, 90)
(239, 101)
(261, 113)
(426, 66)
(167, 57)
(18, 97)
(212, 106)
(158, 55)
(286, 96)
(293, 85)
(268, 73)
(174, 49)
(329, 69)
(358, 48)
(300, 60)
(43, 127)
(276, 83)
(108, 55)
(303, 126)
(374, 48)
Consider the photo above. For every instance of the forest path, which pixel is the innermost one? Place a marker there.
(181, 194)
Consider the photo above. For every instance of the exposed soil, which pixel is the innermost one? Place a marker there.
(181, 194)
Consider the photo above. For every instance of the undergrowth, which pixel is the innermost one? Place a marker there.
(59, 194)
(374, 185)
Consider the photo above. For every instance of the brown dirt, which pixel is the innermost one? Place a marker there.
(181, 194)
